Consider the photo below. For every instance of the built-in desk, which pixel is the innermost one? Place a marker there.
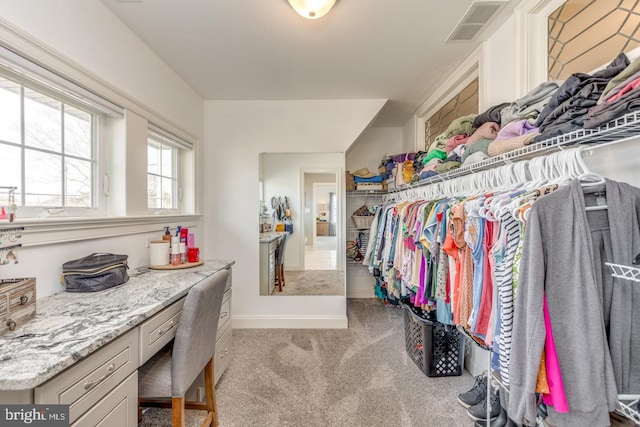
(268, 244)
(84, 349)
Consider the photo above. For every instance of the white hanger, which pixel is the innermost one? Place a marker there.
(587, 175)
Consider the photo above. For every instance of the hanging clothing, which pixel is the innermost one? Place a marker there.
(584, 302)
(504, 279)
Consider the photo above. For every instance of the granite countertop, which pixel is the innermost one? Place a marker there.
(70, 326)
(270, 237)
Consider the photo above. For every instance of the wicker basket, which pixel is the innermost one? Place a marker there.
(363, 221)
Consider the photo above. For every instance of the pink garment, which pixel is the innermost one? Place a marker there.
(423, 268)
(454, 141)
(486, 296)
(557, 398)
(628, 88)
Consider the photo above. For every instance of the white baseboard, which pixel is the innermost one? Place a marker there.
(288, 322)
(360, 293)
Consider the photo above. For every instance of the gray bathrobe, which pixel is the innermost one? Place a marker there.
(595, 319)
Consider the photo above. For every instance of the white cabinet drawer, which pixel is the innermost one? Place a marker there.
(159, 330)
(228, 284)
(88, 381)
(223, 354)
(225, 314)
(118, 408)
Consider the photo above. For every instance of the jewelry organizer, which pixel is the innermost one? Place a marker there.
(9, 243)
(10, 192)
(17, 296)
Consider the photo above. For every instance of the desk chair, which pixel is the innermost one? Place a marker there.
(171, 371)
(280, 260)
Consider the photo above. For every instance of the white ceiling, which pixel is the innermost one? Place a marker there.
(262, 49)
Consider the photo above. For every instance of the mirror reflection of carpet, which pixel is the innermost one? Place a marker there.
(313, 282)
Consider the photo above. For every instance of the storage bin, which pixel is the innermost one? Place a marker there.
(437, 349)
(363, 222)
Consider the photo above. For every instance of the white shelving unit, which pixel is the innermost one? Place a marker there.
(359, 281)
(616, 131)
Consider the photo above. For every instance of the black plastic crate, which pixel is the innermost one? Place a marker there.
(437, 349)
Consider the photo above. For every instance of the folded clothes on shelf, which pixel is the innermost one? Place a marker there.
(377, 178)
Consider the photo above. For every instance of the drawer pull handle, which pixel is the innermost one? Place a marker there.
(164, 331)
(11, 324)
(224, 314)
(24, 299)
(224, 354)
(91, 384)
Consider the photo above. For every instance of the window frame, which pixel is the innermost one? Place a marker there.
(98, 205)
(176, 161)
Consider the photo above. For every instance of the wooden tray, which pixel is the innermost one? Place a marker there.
(176, 267)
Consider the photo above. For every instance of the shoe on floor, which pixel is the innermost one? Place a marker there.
(501, 421)
(476, 394)
(479, 411)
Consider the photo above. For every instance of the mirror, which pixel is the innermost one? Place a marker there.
(300, 224)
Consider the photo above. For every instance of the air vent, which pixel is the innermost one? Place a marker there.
(475, 20)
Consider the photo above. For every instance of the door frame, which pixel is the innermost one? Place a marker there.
(340, 256)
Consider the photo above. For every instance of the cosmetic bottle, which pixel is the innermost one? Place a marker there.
(167, 234)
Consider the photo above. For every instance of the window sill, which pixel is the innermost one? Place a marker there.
(48, 231)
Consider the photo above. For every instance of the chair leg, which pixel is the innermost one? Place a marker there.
(278, 278)
(210, 393)
(282, 274)
(177, 411)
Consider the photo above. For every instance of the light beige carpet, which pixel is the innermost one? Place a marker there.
(312, 282)
(355, 377)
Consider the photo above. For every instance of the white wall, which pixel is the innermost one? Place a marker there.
(87, 34)
(374, 143)
(410, 141)
(235, 132)
(499, 63)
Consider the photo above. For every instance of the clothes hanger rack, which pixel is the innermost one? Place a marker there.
(500, 188)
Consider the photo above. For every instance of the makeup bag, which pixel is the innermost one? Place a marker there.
(95, 272)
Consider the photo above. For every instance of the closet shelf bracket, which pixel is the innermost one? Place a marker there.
(628, 404)
(624, 272)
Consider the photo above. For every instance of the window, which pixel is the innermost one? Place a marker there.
(462, 104)
(586, 34)
(162, 175)
(48, 147)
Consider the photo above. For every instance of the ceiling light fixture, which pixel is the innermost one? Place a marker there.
(312, 9)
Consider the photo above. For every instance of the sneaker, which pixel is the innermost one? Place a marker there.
(479, 411)
(476, 395)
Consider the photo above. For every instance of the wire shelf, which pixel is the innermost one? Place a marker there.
(624, 271)
(628, 405)
(355, 193)
(620, 129)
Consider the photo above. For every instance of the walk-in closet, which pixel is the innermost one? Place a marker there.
(320, 213)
